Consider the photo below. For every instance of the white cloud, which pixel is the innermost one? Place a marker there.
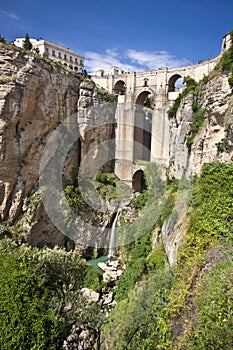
(111, 57)
(11, 15)
(155, 59)
(132, 60)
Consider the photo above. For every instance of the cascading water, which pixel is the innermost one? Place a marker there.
(111, 249)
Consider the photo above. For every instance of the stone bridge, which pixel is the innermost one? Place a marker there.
(142, 133)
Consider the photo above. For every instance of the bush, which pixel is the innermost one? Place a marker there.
(190, 88)
(93, 279)
(197, 122)
(215, 307)
(36, 287)
(2, 39)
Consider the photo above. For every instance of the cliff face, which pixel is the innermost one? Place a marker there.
(212, 143)
(35, 97)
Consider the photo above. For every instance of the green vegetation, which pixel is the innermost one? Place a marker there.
(215, 320)
(2, 39)
(27, 45)
(108, 97)
(210, 226)
(190, 88)
(198, 113)
(191, 306)
(40, 296)
(149, 101)
(109, 186)
(187, 307)
(197, 122)
(222, 146)
(226, 63)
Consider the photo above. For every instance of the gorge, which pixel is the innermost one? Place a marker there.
(176, 222)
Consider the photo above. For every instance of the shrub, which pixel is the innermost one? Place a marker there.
(197, 122)
(27, 45)
(36, 287)
(190, 88)
(2, 39)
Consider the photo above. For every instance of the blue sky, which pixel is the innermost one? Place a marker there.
(136, 35)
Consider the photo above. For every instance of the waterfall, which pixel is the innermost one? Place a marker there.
(111, 249)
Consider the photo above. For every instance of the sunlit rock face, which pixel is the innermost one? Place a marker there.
(35, 98)
(214, 141)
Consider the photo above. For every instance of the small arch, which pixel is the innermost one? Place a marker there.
(76, 68)
(146, 82)
(70, 66)
(138, 181)
(175, 83)
(119, 88)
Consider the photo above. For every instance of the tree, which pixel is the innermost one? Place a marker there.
(2, 39)
(27, 45)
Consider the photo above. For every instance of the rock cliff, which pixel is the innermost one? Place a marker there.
(35, 97)
(212, 143)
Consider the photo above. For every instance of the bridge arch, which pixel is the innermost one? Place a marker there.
(143, 95)
(174, 83)
(119, 88)
(143, 125)
(138, 181)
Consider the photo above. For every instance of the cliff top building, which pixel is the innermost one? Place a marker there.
(56, 52)
(114, 70)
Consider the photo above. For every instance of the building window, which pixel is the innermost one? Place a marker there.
(145, 82)
(81, 62)
(53, 53)
(65, 58)
(71, 59)
(76, 61)
(46, 50)
(59, 54)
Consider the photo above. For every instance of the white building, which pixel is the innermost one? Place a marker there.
(114, 70)
(226, 42)
(56, 52)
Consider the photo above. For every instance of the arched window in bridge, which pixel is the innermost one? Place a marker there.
(175, 83)
(119, 88)
(142, 126)
(145, 82)
(138, 182)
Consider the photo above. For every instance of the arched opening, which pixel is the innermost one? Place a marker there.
(145, 82)
(119, 88)
(70, 66)
(142, 126)
(139, 183)
(175, 83)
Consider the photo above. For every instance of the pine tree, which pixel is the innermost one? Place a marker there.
(27, 45)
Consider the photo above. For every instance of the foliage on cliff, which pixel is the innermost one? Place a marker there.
(191, 306)
(40, 296)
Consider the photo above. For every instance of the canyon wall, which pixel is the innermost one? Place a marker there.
(36, 96)
(212, 143)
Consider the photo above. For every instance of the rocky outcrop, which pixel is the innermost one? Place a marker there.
(35, 97)
(214, 141)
